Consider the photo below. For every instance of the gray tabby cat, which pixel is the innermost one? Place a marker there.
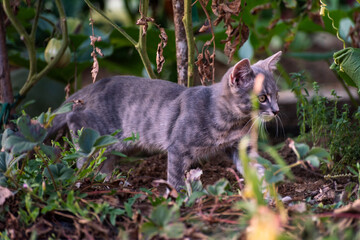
(188, 123)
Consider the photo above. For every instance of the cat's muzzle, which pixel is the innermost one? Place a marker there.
(267, 117)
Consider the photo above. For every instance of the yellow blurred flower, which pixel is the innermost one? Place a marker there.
(264, 225)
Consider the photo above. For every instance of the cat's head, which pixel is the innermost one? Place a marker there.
(240, 83)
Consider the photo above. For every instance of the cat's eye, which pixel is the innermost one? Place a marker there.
(262, 98)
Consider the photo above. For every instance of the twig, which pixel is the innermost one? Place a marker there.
(111, 191)
(289, 167)
(339, 215)
(212, 39)
(96, 50)
(190, 41)
(241, 187)
(139, 46)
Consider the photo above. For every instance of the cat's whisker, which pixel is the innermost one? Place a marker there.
(281, 124)
(254, 121)
(282, 114)
(251, 120)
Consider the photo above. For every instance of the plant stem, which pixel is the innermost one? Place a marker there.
(117, 27)
(24, 36)
(36, 20)
(288, 167)
(36, 149)
(86, 164)
(139, 46)
(190, 41)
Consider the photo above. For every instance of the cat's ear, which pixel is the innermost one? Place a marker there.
(270, 62)
(241, 74)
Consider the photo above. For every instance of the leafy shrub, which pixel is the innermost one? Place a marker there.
(323, 123)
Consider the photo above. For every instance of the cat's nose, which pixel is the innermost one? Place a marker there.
(275, 112)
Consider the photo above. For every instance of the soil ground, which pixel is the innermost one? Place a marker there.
(307, 182)
(307, 186)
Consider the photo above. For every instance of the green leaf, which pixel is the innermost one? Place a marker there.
(33, 132)
(343, 75)
(59, 171)
(174, 230)
(18, 144)
(5, 159)
(320, 153)
(8, 132)
(67, 107)
(266, 163)
(34, 213)
(218, 188)
(41, 118)
(114, 213)
(116, 132)
(129, 203)
(149, 229)
(353, 171)
(313, 160)
(117, 153)
(271, 177)
(161, 215)
(348, 60)
(87, 139)
(193, 197)
(104, 141)
(302, 149)
(49, 151)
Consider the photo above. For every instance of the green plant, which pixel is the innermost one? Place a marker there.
(44, 179)
(104, 210)
(322, 123)
(313, 156)
(164, 221)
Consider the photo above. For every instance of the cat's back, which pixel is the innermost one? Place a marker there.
(132, 87)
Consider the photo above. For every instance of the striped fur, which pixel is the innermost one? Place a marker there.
(188, 123)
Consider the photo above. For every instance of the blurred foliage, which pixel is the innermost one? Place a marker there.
(274, 25)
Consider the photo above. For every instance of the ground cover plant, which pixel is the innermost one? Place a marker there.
(312, 189)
